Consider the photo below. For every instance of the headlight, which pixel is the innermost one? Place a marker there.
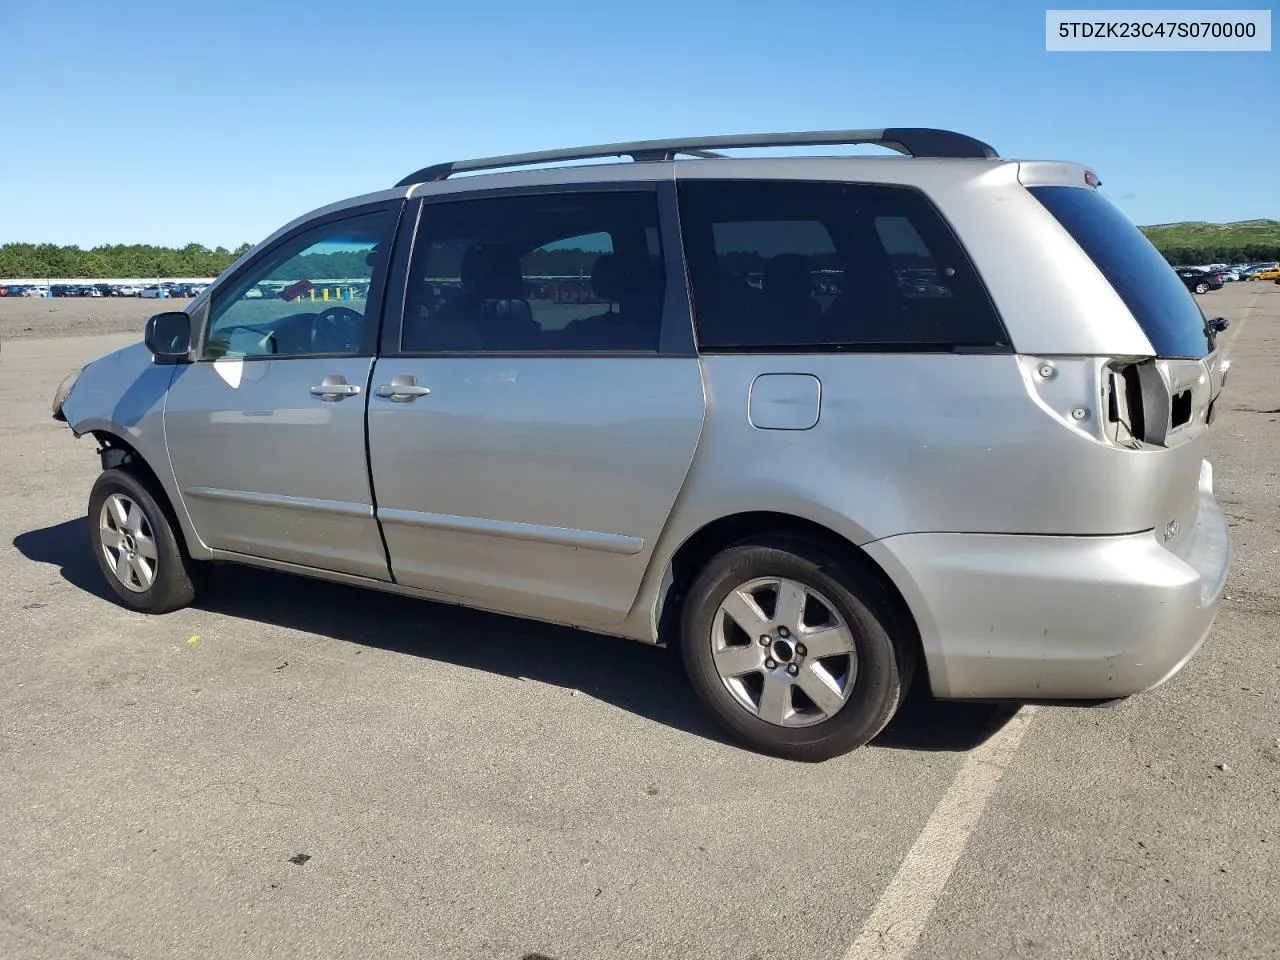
(64, 390)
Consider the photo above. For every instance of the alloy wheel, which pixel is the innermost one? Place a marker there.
(128, 543)
(784, 652)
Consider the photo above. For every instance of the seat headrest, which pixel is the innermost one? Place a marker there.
(620, 280)
(492, 272)
(786, 277)
(608, 278)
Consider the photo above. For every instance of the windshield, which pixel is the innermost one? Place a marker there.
(1149, 287)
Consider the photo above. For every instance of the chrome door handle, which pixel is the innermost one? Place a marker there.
(335, 388)
(402, 389)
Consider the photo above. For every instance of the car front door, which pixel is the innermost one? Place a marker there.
(534, 421)
(266, 429)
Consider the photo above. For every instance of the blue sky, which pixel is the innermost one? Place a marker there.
(215, 123)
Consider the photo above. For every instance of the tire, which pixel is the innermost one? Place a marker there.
(857, 692)
(1202, 288)
(136, 545)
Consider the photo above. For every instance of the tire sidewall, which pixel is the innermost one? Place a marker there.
(173, 587)
(878, 685)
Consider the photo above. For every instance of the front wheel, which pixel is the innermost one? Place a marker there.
(137, 547)
(797, 654)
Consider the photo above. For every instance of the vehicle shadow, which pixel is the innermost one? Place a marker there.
(67, 547)
(640, 679)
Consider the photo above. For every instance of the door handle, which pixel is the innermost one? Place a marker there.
(334, 388)
(402, 388)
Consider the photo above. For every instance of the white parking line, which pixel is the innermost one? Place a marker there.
(903, 910)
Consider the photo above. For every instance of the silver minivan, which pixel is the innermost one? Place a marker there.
(824, 423)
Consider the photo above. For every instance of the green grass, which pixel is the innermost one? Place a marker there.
(1244, 233)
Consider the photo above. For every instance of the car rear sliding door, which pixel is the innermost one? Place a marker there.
(537, 413)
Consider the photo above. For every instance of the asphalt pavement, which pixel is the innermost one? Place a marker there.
(296, 769)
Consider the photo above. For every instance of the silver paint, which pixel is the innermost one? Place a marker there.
(539, 484)
(784, 401)
(268, 468)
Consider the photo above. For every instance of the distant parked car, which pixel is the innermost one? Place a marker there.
(1252, 273)
(127, 290)
(1199, 281)
(37, 291)
(1270, 273)
(1230, 274)
(157, 293)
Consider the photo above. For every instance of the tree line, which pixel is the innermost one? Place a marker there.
(37, 260)
(338, 265)
(1252, 253)
(32, 260)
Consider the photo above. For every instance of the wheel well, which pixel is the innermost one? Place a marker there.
(698, 550)
(118, 454)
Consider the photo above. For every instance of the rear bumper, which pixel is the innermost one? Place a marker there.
(1070, 618)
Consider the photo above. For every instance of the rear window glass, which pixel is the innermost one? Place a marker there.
(814, 266)
(1149, 287)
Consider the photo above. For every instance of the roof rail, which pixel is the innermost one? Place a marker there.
(913, 141)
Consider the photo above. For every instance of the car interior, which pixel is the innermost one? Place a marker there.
(864, 273)
(493, 301)
(252, 319)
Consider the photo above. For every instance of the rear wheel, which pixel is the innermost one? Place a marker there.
(136, 546)
(1202, 287)
(794, 651)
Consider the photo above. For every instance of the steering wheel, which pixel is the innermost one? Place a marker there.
(337, 330)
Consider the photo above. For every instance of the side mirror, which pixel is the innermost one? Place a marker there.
(168, 336)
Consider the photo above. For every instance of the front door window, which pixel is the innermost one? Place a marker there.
(307, 297)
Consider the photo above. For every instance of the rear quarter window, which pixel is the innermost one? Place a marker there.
(810, 266)
(1139, 274)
